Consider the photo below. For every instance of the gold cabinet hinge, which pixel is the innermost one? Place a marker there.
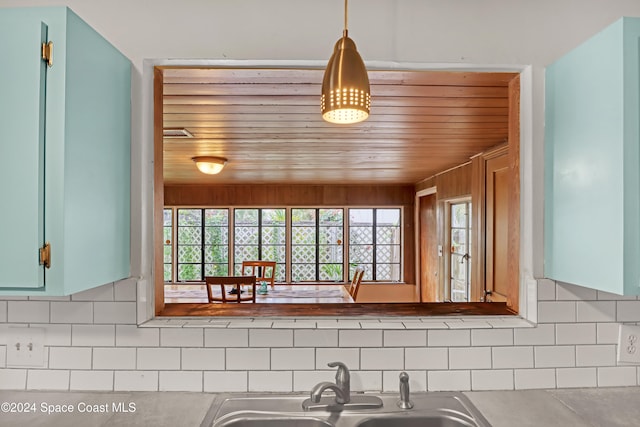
(47, 53)
(45, 255)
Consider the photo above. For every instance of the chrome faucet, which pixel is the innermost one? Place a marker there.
(405, 401)
(342, 386)
(343, 400)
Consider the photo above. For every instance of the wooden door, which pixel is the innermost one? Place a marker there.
(428, 247)
(497, 229)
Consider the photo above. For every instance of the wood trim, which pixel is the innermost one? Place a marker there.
(478, 227)
(351, 310)
(513, 295)
(158, 192)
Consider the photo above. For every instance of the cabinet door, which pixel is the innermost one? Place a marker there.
(22, 145)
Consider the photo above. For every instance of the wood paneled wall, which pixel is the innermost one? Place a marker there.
(305, 195)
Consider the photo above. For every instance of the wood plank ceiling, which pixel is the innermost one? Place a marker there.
(267, 123)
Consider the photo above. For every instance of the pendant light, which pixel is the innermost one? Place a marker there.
(209, 165)
(346, 97)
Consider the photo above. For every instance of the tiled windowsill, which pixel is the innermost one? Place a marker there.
(436, 322)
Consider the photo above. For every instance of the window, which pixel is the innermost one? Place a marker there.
(203, 243)
(167, 231)
(316, 244)
(460, 259)
(260, 234)
(310, 246)
(375, 243)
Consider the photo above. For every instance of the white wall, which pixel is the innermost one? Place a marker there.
(92, 338)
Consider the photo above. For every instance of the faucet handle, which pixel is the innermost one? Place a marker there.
(342, 376)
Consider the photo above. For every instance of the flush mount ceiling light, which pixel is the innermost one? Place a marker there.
(209, 164)
(346, 96)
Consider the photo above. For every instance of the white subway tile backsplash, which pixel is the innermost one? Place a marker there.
(360, 338)
(449, 338)
(3, 311)
(158, 359)
(179, 337)
(526, 379)
(42, 379)
(101, 293)
(122, 312)
(114, 358)
(555, 356)
(576, 377)
(426, 358)
(270, 338)
(366, 380)
(125, 290)
(617, 376)
(180, 381)
(546, 290)
(576, 333)
(627, 311)
(135, 381)
(225, 382)
(55, 335)
(512, 357)
(567, 291)
(411, 338)
(28, 311)
(315, 338)
(491, 337)
(614, 297)
(203, 359)
(132, 336)
(13, 379)
(540, 335)
(72, 312)
(239, 359)
(391, 381)
(283, 359)
(470, 358)
(278, 381)
(497, 379)
(607, 333)
(595, 355)
(70, 357)
(448, 380)
(348, 356)
(556, 311)
(596, 311)
(91, 380)
(93, 335)
(226, 337)
(303, 381)
(3, 356)
(381, 358)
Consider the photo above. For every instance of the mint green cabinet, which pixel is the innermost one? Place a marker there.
(65, 136)
(592, 162)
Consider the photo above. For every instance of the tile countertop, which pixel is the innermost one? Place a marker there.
(605, 407)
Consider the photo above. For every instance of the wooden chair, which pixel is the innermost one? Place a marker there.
(355, 282)
(236, 281)
(265, 271)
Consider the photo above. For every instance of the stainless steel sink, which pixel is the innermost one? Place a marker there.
(434, 420)
(430, 410)
(274, 421)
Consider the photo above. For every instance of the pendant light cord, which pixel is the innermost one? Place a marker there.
(346, 13)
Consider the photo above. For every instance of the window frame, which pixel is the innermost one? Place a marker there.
(347, 269)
